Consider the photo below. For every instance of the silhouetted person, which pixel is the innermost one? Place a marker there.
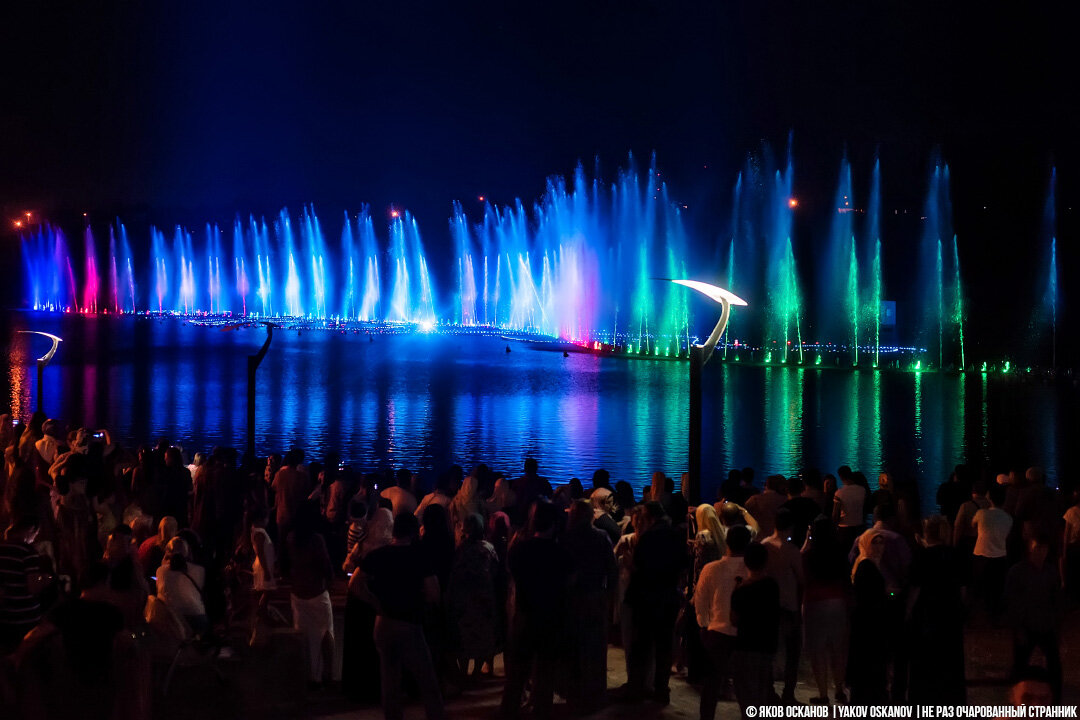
(592, 588)
(763, 505)
(405, 587)
(23, 577)
(803, 510)
(529, 487)
(869, 650)
(291, 487)
(953, 492)
(540, 568)
(936, 631)
(755, 613)
(659, 562)
(1034, 601)
(313, 614)
(785, 567)
(825, 611)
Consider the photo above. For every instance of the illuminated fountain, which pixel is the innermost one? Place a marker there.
(761, 259)
(1046, 319)
(941, 327)
(877, 282)
(581, 264)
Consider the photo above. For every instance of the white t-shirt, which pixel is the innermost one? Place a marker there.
(852, 498)
(712, 595)
(182, 592)
(992, 525)
(402, 499)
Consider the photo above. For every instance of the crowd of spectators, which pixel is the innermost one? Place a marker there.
(104, 548)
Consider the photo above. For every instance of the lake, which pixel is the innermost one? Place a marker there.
(426, 401)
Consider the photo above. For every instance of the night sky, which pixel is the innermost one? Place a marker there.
(192, 111)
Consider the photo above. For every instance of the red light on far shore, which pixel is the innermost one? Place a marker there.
(18, 223)
(481, 198)
(394, 214)
(793, 203)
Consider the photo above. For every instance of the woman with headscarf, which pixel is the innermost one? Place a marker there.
(466, 502)
(868, 647)
(472, 606)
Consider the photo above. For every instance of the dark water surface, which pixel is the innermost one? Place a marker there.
(427, 401)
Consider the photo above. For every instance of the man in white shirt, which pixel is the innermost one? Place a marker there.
(400, 495)
(849, 507)
(48, 446)
(712, 604)
(992, 526)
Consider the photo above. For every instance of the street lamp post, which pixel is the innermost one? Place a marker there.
(43, 361)
(699, 355)
(253, 365)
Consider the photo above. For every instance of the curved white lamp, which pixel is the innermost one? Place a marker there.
(43, 361)
(55, 344)
(726, 298)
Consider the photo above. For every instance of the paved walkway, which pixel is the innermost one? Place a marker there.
(270, 683)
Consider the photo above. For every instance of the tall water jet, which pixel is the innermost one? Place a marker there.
(284, 230)
(854, 307)
(160, 279)
(958, 306)
(937, 315)
(790, 294)
(873, 235)
(467, 294)
(838, 301)
(260, 236)
(214, 286)
(349, 307)
(90, 293)
(940, 305)
(729, 284)
(782, 275)
(114, 276)
(1049, 232)
(128, 272)
(314, 248)
(1052, 291)
(369, 304)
